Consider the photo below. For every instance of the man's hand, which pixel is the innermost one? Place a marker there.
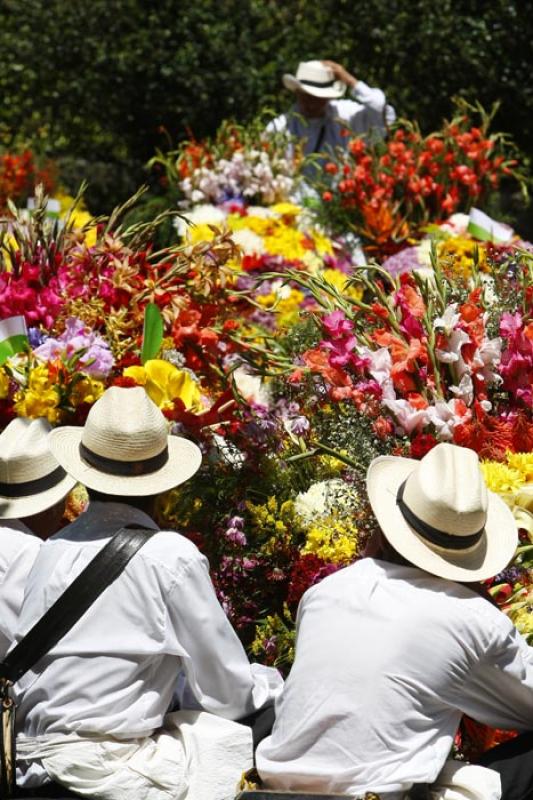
(340, 73)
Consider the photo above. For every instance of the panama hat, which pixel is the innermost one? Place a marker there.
(313, 77)
(31, 480)
(439, 515)
(124, 447)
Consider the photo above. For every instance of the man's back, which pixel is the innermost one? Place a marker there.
(115, 672)
(387, 658)
(18, 550)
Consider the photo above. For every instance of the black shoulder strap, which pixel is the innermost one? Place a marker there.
(69, 607)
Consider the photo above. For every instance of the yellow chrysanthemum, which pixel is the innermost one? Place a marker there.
(457, 255)
(501, 478)
(287, 209)
(523, 463)
(199, 233)
(323, 245)
(340, 281)
(40, 398)
(258, 225)
(332, 540)
(164, 382)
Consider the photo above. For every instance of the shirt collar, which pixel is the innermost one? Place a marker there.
(103, 519)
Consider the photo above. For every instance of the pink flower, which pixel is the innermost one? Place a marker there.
(337, 325)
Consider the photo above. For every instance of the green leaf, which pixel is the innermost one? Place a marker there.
(152, 332)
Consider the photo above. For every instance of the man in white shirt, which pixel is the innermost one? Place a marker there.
(320, 119)
(392, 650)
(33, 488)
(93, 713)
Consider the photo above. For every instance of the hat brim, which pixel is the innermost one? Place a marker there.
(330, 92)
(27, 506)
(184, 459)
(496, 547)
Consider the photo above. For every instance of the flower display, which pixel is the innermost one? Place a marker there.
(388, 191)
(240, 164)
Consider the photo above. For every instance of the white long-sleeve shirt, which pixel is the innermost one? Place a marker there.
(388, 658)
(367, 113)
(114, 673)
(18, 551)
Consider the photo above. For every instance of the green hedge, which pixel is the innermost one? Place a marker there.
(107, 81)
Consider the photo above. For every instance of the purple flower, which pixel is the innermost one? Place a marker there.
(404, 261)
(94, 355)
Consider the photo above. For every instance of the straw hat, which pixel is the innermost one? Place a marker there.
(124, 447)
(439, 515)
(31, 480)
(313, 77)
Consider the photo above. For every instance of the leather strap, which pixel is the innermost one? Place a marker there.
(77, 598)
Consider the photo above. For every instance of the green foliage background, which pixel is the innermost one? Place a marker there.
(101, 83)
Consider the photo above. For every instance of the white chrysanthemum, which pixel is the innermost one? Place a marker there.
(249, 241)
(324, 497)
(204, 214)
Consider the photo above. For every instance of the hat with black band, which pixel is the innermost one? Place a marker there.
(439, 515)
(31, 480)
(315, 78)
(125, 448)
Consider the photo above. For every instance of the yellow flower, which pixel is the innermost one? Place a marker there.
(339, 281)
(500, 478)
(4, 384)
(164, 383)
(457, 254)
(40, 398)
(332, 540)
(79, 217)
(323, 244)
(523, 463)
(86, 390)
(199, 233)
(287, 209)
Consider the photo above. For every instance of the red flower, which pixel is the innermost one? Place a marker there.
(422, 444)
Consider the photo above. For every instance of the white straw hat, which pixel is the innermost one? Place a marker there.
(313, 77)
(439, 515)
(124, 447)
(31, 480)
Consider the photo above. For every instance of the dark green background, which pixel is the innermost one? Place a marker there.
(101, 84)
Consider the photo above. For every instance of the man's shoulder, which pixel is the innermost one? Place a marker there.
(15, 539)
(345, 108)
(171, 548)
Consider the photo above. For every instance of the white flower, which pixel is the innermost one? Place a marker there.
(324, 497)
(252, 387)
(446, 416)
(449, 319)
(249, 241)
(409, 419)
(465, 390)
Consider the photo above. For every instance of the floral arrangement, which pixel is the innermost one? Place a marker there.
(388, 191)
(456, 248)
(274, 238)
(239, 163)
(19, 174)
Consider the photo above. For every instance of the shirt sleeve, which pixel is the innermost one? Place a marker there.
(216, 669)
(499, 691)
(377, 113)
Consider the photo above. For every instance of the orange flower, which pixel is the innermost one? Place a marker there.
(318, 361)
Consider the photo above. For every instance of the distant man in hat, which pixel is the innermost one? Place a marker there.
(392, 650)
(93, 714)
(33, 488)
(320, 118)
